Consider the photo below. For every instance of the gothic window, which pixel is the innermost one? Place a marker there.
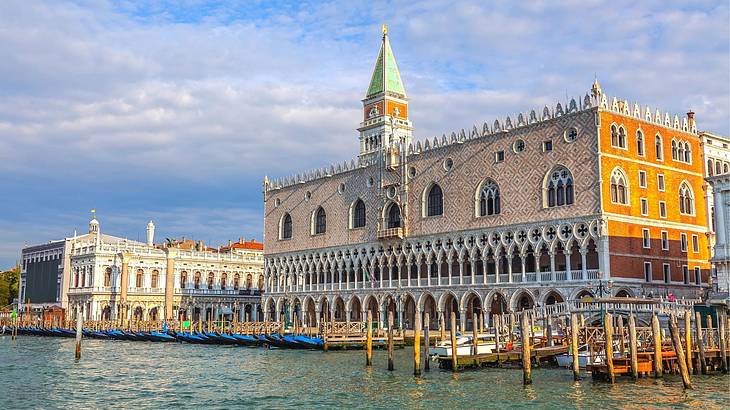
(320, 221)
(621, 137)
(674, 150)
(286, 228)
(489, 200)
(108, 277)
(710, 168)
(183, 279)
(197, 280)
(614, 135)
(559, 187)
(435, 201)
(619, 187)
(224, 279)
(658, 147)
(211, 277)
(155, 278)
(140, 278)
(358, 214)
(393, 214)
(640, 143)
(687, 153)
(686, 199)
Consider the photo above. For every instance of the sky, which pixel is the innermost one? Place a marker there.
(173, 111)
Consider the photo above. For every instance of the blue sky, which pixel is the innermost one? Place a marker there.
(175, 110)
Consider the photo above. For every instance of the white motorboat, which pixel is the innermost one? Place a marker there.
(465, 346)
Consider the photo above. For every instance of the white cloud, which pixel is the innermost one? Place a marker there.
(106, 94)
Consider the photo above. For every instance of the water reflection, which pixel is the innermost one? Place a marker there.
(163, 375)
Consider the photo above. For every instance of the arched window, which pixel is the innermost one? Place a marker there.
(489, 201)
(686, 199)
(140, 278)
(619, 187)
(640, 143)
(211, 277)
(658, 147)
(224, 279)
(155, 278)
(249, 281)
(197, 280)
(320, 221)
(621, 137)
(674, 150)
(261, 282)
(726, 168)
(435, 201)
(718, 168)
(393, 216)
(236, 281)
(183, 279)
(358, 214)
(687, 153)
(710, 168)
(559, 187)
(286, 228)
(614, 135)
(108, 277)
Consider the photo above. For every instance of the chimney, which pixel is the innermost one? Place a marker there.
(240, 240)
(691, 119)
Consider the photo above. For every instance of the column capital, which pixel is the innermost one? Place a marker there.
(126, 257)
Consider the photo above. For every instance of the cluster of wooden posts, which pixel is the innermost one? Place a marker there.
(614, 349)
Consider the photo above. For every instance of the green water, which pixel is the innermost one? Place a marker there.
(42, 373)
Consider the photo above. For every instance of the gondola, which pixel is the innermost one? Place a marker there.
(161, 337)
(310, 342)
(246, 340)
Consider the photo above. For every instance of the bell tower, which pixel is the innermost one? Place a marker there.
(385, 121)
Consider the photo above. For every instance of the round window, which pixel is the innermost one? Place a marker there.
(307, 196)
(277, 202)
(448, 164)
(571, 134)
(392, 191)
(519, 146)
(341, 188)
(371, 181)
(412, 172)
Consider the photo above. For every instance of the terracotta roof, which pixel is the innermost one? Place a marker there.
(245, 245)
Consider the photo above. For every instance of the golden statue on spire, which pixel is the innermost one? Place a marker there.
(385, 29)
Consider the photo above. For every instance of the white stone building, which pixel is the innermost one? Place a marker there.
(721, 258)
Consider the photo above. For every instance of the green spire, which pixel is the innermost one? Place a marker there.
(386, 76)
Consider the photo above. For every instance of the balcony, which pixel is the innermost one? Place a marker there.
(390, 233)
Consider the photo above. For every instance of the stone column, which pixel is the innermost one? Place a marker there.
(484, 270)
(538, 275)
(473, 270)
(461, 271)
(604, 259)
(568, 273)
(124, 284)
(583, 268)
(720, 232)
(170, 253)
(418, 272)
(552, 265)
(450, 261)
(428, 272)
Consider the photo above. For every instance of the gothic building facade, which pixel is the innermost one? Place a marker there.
(525, 211)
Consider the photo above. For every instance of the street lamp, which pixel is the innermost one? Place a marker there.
(603, 290)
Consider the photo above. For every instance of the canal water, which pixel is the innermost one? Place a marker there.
(42, 373)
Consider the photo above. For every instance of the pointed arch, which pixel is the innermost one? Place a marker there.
(619, 187)
(488, 200)
(319, 221)
(659, 147)
(640, 142)
(686, 199)
(357, 214)
(285, 226)
(392, 215)
(558, 187)
(433, 200)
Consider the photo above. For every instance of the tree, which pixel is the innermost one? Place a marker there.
(9, 284)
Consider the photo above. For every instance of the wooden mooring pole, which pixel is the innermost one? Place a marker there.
(525, 330)
(369, 341)
(549, 328)
(442, 327)
(710, 333)
(657, 336)
(679, 350)
(454, 362)
(417, 346)
(574, 345)
(475, 335)
(608, 330)
(79, 324)
(497, 319)
(390, 340)
(688, 338)
(427, 342)
(621, 338)
(701, 363)
(721, 325)
(633, 348)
